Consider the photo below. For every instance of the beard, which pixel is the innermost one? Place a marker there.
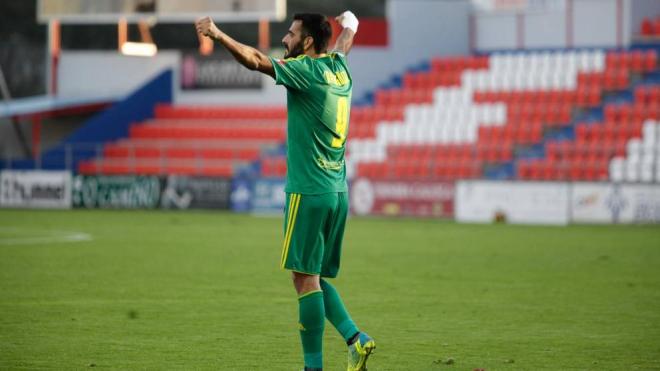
(295, 51)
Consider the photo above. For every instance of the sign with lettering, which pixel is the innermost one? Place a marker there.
(35, 189)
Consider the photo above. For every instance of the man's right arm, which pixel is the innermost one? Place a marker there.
(248, 56)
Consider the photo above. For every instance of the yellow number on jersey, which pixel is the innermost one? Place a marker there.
(342, 122)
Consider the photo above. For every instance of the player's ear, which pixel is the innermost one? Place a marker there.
(308, 43)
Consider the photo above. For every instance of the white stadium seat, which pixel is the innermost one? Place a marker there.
(617, 166)
(633, 147)
(632, 171)
(646, 172)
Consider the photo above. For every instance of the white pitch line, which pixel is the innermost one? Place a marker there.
(42, 237)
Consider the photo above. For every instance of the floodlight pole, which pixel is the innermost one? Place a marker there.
(54, 47)
(145, 33)
(122, 33)
(264, 35)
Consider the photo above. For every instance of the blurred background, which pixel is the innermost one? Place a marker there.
(455, 103)
(501, 156)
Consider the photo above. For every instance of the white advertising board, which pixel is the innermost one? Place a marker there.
(516, 202)
(615, 203)
(35, 189)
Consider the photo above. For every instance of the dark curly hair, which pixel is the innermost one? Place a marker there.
(316, 26)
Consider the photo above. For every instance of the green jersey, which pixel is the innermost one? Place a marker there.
(318, 104)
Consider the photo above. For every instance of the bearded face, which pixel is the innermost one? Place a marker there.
(293, 51)
(294, 41)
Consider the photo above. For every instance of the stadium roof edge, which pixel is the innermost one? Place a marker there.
(46, 104)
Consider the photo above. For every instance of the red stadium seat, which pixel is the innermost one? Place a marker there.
(650, 60)
(647, 28)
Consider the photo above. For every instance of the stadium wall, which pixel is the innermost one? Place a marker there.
(567, 24)
(547, 203)
(85, 74)
(108, 74)
(418, 30)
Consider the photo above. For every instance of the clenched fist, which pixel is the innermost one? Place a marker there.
(348, 20)
(206, 27)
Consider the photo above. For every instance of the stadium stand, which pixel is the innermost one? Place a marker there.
(502, 113)
(595, 145)
(469, 115)
(546, 115)
(192, 141)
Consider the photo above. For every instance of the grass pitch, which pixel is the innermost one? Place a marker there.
(203, 290)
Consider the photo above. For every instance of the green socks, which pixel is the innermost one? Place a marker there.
(312, 321)
(336, 312)
(313, 308)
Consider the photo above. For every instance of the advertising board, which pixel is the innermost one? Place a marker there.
(119, 192)
(513, 202)
(402, 198)
(615, 203)
(268, 196)
(184, 192)
(35, 189)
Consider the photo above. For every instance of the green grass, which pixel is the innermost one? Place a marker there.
(203, 290)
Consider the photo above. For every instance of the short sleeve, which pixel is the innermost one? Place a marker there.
(292, 72)
(337, 53)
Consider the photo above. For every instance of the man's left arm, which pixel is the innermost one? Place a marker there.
(344, 41)
(248, 56)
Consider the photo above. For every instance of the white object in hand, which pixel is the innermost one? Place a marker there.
(349, 20)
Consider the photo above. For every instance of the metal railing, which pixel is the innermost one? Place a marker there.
(195, 155)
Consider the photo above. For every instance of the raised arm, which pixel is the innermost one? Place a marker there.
(345, 39)
(248, 56)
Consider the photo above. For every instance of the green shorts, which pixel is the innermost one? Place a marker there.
(313, 232)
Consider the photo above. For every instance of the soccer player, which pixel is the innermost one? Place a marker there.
(319, 87)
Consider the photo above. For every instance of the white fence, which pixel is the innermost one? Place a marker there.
(518, 202)
(557, 203)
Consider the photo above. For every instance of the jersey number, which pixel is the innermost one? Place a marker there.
(342, 122)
